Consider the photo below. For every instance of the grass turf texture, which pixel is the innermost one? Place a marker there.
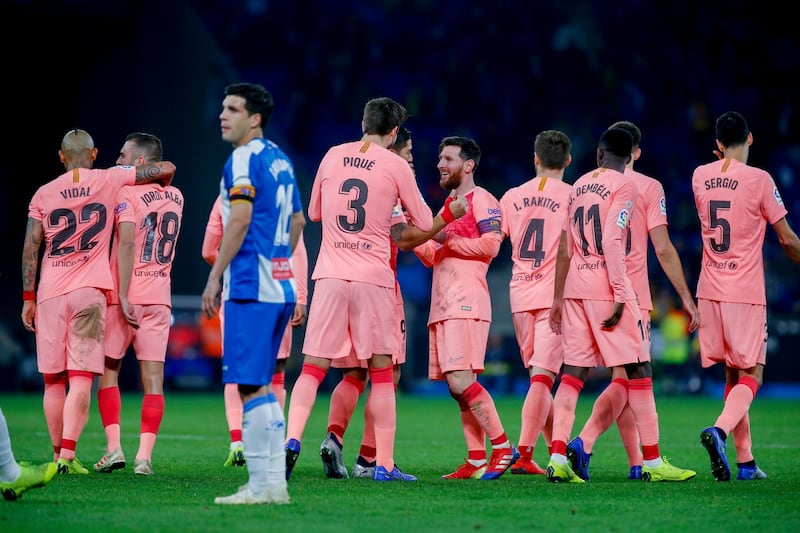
(193, 444)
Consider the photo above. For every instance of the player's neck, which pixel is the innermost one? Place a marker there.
(380, 140)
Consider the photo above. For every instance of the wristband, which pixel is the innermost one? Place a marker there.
(447, 214)
(28, 296)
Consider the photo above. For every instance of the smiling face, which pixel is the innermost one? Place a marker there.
(451, 167)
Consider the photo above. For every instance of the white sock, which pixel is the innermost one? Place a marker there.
(9, 469)
(255, 437)
(652, 463)
(276, 469)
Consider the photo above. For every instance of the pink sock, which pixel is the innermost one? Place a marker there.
(344, 399)
(474, 436)
(109, 403)
(279, 388)
(55, 394)
(741, 435)
(564, 404)
(643, 405)
(535, 410)
(606, 409)
(233, 410)
(626, 424)
(737, 404)
(368, 444)
(384, 413)
(76, 407)
(152, 414)
(304, 394)
(482, 406)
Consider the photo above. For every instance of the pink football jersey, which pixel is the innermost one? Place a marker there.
(650, 212)
(355, 190)
(533, 218)
(734, 202)
(156, 212)
(77, 214)
(600, 206)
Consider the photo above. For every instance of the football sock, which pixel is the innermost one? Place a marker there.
(606, 409)
(344, 399)
(109, 403)
(643, 405)
(482, 406)
(737, 403)
(741, 436)
(276, 462)
(535, 410)
(384, 412)
(233, 410)
(279, 388)
(628, 432)
(152, 414)
(76, 410)
(257, 422)
(304, 394)
(55, 394)
(564, 403)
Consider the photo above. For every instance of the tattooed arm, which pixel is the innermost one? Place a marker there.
(30, 266)
(162, 171)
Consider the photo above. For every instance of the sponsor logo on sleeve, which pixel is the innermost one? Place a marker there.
(622, 219)
(662, 203)
(120, 208)
(777, 196)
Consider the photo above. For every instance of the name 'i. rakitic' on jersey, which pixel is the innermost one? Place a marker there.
(538, 201)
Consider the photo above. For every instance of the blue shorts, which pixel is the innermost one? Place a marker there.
(253, 333)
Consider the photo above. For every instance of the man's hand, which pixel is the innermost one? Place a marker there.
(555, 316)
(458, 206)
(211, 297)
(127, 311)
(29, 315)
(613, 320)
(299, 316)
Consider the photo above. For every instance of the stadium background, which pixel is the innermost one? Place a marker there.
(498, 72)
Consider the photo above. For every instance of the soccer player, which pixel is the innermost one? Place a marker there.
(14, 477)
(263, 218)
(735, 201)
(595, 307)
(345, 395)
(148, 221)
(355, 191)
(649, 220)
(233, 402)
(533, 217)
(461, 308)
(73, 216)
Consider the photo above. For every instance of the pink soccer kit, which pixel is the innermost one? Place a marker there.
(734, 203)
(156, 213)
(77, 212)
(459, 289)
(601, 204)
(650, 212)
(533, 218)
(356, 188)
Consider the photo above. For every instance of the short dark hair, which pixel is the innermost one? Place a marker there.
(616, 141)
(469, 148)
(553, 148)
(731, 129)
(631, 128)
(149, 144)
(403, 135)
(382, 115)
(256, 99)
